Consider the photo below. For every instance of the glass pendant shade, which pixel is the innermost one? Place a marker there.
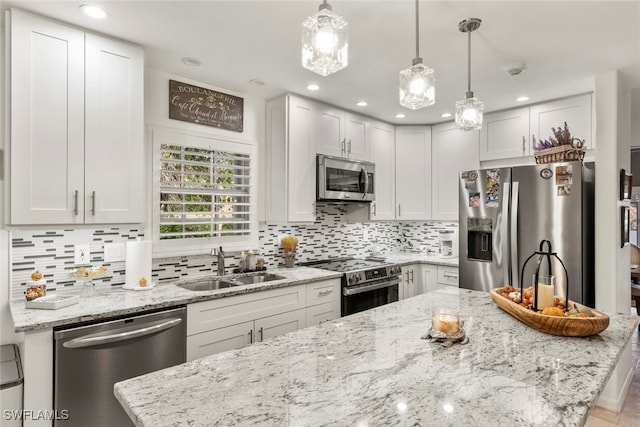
(417, 87)
(469, 114)
(325, 42)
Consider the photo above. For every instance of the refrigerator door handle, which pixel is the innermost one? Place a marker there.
(504, 238)
(513, 233)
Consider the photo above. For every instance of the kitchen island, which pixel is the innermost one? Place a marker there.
(373, 368)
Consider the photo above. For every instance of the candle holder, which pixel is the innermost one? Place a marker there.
(542, 254)
(446, 328)
(289, 259)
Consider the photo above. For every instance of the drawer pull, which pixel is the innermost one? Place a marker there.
(451, 276)
(323, 293)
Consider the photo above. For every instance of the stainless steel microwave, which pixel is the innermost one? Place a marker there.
(345, 180)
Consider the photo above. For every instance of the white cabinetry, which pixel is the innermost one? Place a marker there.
(576, 111)
(413, 172)
(453, 151)
(77, 126)
(505, 134)
(382, 143)
(447, 276)
(429, 277)
(409, 281)
(290, 162)
(341, 134)
(323, 301)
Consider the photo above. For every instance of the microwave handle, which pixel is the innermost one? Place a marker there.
(366, 182)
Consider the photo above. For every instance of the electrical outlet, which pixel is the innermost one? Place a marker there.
(81, 254)
(114, 252)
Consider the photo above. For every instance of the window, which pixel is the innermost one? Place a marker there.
(204, 192)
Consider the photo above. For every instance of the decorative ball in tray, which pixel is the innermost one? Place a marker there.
(576, 321)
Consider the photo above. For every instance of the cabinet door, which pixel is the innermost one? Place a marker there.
(219, 340)
(382, 145)
(413, 172)
(47, 122)
(453, 151)
(408, 284)
(301, 161)
(280, 324)
(429, 277)
(114, 131)
(576, 111)
(357, 137)
(321, 313)
(330, 132)
(505, 135)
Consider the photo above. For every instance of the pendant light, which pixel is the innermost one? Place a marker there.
(417, 83)
(469, 110)
(325, 42)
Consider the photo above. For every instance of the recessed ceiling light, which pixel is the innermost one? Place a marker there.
(522, 98)
(400, 116)
(93, 11)
(256, 82)
(445, 115)
(192, 62)
(362, 104)
(313, 87)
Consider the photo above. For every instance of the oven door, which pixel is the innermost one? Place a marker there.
(355, 300)
(343, 179)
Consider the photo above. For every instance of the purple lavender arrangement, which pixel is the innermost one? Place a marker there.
(561, 136)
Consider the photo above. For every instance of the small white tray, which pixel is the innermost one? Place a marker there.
(52, 302)
(129, 287)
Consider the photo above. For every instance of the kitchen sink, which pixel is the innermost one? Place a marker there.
(211, 284)
(257, 278)
(208, 285)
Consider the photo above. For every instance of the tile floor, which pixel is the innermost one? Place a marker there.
(630, 414)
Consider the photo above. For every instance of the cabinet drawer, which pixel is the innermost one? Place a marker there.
(215, 314)
(323, 292)
(321, 313)
(448, 275)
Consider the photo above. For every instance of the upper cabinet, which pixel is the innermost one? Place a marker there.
(453, 151)
(77, 126)
(413, 172)
(382, 143)
(341, 134)
(512, 134)
(290, 163)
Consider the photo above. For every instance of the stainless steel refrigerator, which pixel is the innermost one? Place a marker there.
(506, 212)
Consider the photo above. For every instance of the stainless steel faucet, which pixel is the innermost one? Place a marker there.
(220, 255)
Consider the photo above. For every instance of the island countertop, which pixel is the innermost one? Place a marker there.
(373, 368)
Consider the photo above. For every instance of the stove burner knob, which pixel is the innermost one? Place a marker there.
(355, 278)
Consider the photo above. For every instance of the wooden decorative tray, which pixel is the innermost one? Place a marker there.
(554, 325)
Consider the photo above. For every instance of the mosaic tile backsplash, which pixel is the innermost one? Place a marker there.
(330, 236)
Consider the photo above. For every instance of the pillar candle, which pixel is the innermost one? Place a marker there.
(545, 296)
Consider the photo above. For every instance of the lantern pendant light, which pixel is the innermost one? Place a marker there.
(417, 83)
(469, 110)
(325, 41)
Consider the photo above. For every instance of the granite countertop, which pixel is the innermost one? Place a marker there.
(372, 368)
(115, 301)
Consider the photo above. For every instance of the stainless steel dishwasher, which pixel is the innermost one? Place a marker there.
(89, 359)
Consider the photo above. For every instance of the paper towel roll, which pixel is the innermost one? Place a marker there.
(137, 262)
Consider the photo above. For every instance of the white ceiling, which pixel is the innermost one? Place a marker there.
(564, 45)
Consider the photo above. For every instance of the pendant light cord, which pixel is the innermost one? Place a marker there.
(417, 31)
(469, 63)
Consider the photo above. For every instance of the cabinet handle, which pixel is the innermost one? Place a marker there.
(251, 336)
(261, 333)
(411, 276)
(407, 277)
(323, 293)
(523, 145)
(349, 147)
(373, 206)
(93, 203)
(451, 276)
(75, 203)
(399, 210)
(343, 146)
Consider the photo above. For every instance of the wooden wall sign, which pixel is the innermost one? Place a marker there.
(205, 106)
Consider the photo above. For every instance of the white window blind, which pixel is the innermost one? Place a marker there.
(203, 193)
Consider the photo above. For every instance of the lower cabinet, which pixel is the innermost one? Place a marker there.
(447, 276)
(234, 322)
(410, 281)
(429, 277)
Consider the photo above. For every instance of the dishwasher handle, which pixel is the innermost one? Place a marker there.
(92, 341)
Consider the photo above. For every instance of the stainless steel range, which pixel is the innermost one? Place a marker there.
(365, 284)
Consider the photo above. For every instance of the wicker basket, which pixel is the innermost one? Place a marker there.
(561, 153)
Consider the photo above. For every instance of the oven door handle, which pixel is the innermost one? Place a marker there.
(353, 291)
